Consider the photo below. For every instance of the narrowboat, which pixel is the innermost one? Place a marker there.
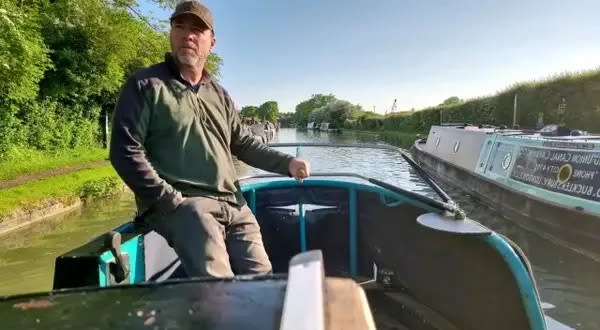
(549, 180)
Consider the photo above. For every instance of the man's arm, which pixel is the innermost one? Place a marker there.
(252, 152)
(127, 154)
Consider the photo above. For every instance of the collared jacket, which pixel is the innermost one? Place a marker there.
(170, 139)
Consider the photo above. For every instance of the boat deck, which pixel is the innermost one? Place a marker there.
(243, 304)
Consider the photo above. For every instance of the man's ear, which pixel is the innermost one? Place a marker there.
(213, 43)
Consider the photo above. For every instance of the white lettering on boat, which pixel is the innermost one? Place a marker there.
(570, 172)
(583, 174)
(561, 157)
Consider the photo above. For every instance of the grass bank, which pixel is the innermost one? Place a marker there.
(403, 139)
(22, 201)
(26, 161)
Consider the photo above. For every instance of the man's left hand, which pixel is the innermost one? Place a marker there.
(299, 168)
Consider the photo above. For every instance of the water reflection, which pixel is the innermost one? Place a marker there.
(27, 256)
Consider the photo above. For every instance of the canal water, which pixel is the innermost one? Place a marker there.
(569, 283)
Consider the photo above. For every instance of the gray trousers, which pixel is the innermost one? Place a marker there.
(214, 238)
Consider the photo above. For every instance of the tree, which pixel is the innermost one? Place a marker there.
(304, 108)
(286, 119)
(453, 100)
(341, 111)
(63, 62)
(23, 54)
(268, 111)
(249, 111)
(320, 115)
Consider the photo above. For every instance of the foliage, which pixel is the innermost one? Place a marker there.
(402, 139)
(102, 187)
(286, 119)
(452, 101)
(304, 108)
(268, 111)
(342, 111)
(249, 111)
(23, 54)
(577, 95)
(370, 120)
(319, 115)
(94, 46)
(62, 64)
(336, 113)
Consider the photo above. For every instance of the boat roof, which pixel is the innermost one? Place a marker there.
(525, 134)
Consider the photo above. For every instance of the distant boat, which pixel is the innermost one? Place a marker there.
(549, 177)
(327, 127)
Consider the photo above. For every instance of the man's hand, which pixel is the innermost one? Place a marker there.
(299, 168)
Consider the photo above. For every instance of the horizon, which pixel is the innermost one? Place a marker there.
(419, 53)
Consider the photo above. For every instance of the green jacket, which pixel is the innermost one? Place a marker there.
(170, 139)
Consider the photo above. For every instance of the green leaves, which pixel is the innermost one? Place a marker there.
(63, 62)
(249, 111)
(268, 111)
(303, 109)
(95, 47)
(23, 54)
(102, 187)
(327, 108)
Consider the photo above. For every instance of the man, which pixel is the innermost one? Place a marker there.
(174, 133)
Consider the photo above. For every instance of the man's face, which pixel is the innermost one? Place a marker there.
(191, 40)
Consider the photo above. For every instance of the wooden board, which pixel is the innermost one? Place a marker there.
(346, 307)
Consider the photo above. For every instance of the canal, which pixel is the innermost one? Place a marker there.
(568, 282)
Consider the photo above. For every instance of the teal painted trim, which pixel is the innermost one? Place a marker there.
(529, 296)
(546, 195)
(353, 232)
(558, 198)
(136, 261)
(287, 183)
(539, 141)
(139, 274)
(540, 193)
(252, 201)
(302, 228)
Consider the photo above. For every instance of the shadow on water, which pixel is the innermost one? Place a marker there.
(27, 256)
(568, 283)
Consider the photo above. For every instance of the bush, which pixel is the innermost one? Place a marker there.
(104, 187)
(63, 61)
(579, 95)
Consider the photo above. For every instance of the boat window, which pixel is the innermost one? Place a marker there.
(456, 146)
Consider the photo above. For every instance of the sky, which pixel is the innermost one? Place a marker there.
(371, 52)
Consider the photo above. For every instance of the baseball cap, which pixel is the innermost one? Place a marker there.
(194, 8)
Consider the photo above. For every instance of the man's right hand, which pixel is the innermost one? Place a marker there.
(299, 168)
